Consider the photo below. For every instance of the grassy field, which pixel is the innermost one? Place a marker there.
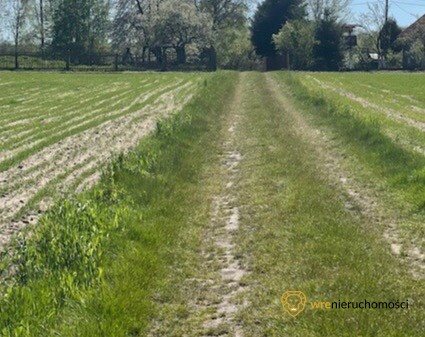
(382, 127)
(58, 105)
(395, 100)
(57, 130)
(257, 184)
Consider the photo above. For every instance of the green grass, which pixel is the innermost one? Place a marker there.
(299, 236)
(402, 93)
(94, 264)
(50, 124)
(397, 90)
(401, 172)
(125, 254)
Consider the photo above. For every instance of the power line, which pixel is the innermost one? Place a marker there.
(402, 9)
(422, 4)
(409, 4)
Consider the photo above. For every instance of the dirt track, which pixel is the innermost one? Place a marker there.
(219, 236)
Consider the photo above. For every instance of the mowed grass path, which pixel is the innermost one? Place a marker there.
(300, 234)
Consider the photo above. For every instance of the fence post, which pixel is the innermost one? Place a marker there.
(288, 63)
(212, 59)
(16, 59)
(68, 59)
(116, 62)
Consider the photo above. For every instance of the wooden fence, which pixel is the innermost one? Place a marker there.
(97, 62)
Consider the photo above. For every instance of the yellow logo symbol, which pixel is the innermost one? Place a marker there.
(294, 302)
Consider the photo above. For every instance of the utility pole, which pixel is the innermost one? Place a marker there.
(42, 25)
(386, 10)
(383, 57)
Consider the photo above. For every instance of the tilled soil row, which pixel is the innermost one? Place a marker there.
(40, 99)
(77, 122)
(81, 101)
(16, 135)
(96, 145)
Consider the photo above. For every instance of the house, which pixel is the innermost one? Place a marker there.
(413, 30)
(350, 38)
(412, 40)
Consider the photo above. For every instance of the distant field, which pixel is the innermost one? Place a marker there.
(57, 129)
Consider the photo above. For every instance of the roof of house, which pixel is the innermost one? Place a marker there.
(414, 28)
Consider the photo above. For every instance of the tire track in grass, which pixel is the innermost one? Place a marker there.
(357, 195)
(225, 221)
(79, 152)
(225, 287)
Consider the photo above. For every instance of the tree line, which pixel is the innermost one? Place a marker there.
(317, 35)
(308, 34)
(149, 29)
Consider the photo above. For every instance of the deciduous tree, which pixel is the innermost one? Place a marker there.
(180, 24)
(296, 40)
(17, 18)
(270, 16)
(337, 8)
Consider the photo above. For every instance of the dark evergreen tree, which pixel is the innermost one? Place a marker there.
(388, 36)
(327, 51)
(271, 15)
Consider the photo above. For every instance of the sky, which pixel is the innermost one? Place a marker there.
(404, 11)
